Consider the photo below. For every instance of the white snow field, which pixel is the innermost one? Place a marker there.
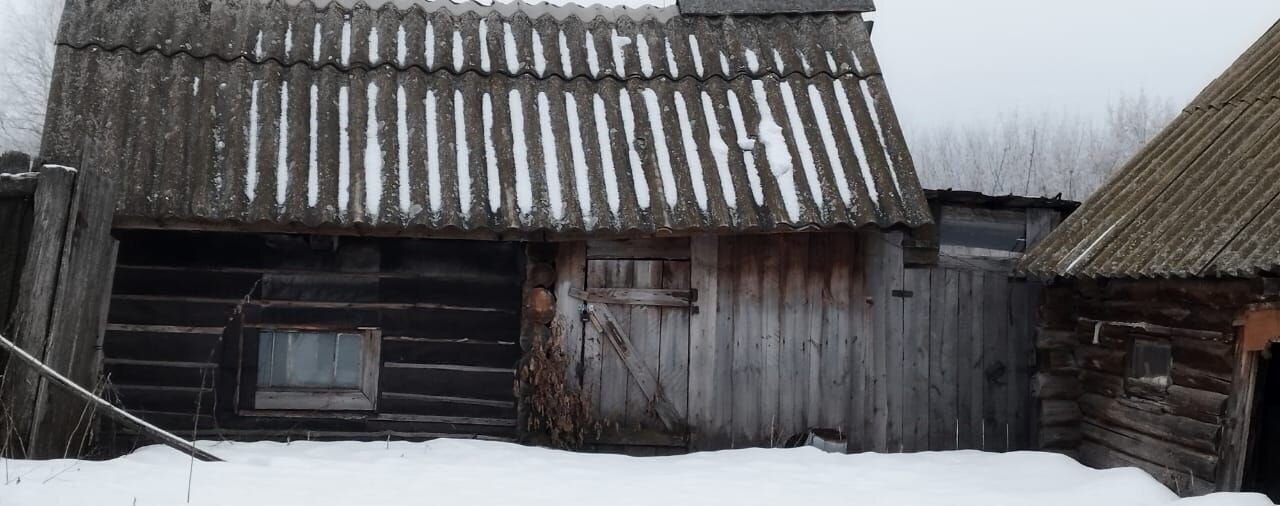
(479, 473)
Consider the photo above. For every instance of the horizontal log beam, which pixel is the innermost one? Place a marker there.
(635, 296)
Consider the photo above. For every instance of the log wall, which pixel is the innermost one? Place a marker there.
(1093, 406)
(448, 312)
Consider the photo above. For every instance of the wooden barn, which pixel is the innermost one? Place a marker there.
(389, 220)
(1154, 339)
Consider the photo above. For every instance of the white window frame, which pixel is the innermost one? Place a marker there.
(364, 398)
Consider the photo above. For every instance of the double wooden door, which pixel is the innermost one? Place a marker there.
(637, 304)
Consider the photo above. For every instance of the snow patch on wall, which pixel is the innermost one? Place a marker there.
(671, 58)
(581, 184)
(802, 146)
(484, 46)
(429, 45)
(313, 148)
(774, 140)
(282, 151)
(660, 149)
(344, 149)
(463, 153)
(372, 156)
(593, 59)
(539, 55)
(606, 155)
(402, 49)
(637, 168)
(491, 155)
(433, 152)
(697, 55)
(691, 153)
(746, 144)
(855, 139)
(719, 152)
(619, 44)
(346, 42)
(550, 162)
(402, 150)
(509, 47)
(251, 163)
(642, 50)
(520, 148)
(829, 143)
(459, 52)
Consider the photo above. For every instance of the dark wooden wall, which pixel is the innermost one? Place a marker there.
(448, 313)
(1092, 409)
(15, 228)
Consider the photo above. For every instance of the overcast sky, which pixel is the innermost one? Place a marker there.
(959, 61)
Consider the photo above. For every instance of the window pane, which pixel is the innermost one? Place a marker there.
(265, 341)
(279, 359)
(311, 360)
(350, 360)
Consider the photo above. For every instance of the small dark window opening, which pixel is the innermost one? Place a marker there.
(1150, 363)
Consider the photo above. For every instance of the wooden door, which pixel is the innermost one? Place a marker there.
(636, 341)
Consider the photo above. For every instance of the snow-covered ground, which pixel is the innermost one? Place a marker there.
(475, 473)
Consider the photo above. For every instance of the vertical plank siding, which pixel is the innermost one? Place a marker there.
(830, 330)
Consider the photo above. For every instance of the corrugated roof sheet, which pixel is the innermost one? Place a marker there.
(1199, 200)
(459, 116)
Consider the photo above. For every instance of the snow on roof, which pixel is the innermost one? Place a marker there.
(433, 118)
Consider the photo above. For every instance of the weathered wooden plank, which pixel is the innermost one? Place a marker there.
(963, 351)
(860, 335)
(996, 361)
(644, 332)
(1059, 412)
(916, 328)
(1185, 432)
(673, 362)
(639, 249)
(771, 329)
(837, 331)
(1234, 446)
(1039, 223)
(643, 375)
(705, 419)
(748, 354)
(1149, 448)
(614, 380)
(1023, 307)
(977, 357)
(595, 353)
(727, 285)
(943, 315)
(794, 394)
(893, 339)
(37, 287)
(818, 362)
(664, 297)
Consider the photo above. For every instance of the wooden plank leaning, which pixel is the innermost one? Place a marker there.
(111, 411)
(605, 323)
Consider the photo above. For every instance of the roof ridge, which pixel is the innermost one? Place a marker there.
(472, 71)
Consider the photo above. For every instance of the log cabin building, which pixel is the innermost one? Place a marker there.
(357, 220)
(1154, 345)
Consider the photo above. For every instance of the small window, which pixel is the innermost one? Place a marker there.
(316, 370)
(1150, 363)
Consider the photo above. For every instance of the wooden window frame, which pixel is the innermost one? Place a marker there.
(364, 398)
(1142, 385)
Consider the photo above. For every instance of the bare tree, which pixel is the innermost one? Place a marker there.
(25, 71)
(1041, 154)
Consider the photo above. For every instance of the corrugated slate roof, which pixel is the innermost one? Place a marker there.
(459, 116)
(1199, 200)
